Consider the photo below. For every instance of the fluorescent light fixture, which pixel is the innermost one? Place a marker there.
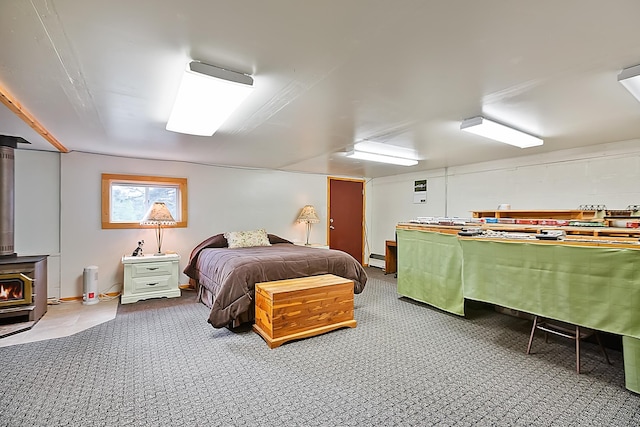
(206, 98)
(630, 79)
(496, 131)
(373, 157)
(383, 153)
(386, 149)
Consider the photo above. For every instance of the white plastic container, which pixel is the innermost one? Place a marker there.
(90, 285)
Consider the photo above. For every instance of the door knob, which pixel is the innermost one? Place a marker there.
(332, 227)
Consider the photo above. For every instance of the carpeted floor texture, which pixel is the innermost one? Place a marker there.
(160, 364)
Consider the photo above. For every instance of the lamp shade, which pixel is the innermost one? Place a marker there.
(158, 214)
(308, 215)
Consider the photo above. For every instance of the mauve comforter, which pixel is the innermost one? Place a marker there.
(231, 274)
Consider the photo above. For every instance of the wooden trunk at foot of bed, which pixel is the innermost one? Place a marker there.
(299, 308)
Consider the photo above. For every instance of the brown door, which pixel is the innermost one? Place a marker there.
(346, 216)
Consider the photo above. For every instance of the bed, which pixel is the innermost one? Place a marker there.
(225, 277)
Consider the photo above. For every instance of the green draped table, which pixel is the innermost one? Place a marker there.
(597, 287)
(430, 269)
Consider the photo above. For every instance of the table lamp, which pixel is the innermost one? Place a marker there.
(308, 215)
(159, 215)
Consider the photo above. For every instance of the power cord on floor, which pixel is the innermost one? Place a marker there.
(104, 296)
(57, 301)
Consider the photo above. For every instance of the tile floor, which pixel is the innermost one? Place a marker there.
(64, 319)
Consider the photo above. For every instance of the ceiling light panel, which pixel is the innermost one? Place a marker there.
(630, 79)
(381, 158)
(386, 149)
(489, 129)
(206, 98)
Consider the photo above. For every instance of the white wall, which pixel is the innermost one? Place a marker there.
(220, 199)
(58, 201)
(37, 210)
(606, 174)
(390, 200)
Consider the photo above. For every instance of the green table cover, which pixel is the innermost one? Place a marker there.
(595, 287)
(429, 269)
(631, 355)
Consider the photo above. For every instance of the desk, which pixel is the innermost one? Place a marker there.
(596, 287)
(390, 257)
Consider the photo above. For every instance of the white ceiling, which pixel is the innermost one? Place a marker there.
(101, 76)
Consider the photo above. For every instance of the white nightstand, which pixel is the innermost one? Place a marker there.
(312, 245)
(150, 276)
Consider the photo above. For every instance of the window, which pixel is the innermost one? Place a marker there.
(126, 198)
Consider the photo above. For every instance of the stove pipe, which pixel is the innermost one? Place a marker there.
(7, 194)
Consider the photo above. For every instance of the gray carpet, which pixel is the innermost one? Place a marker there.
(160, 364)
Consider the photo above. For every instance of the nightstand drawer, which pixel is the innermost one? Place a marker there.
(153, 283)
(150, 276)
(151, 269)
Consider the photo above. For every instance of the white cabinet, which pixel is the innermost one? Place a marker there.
(150, 276)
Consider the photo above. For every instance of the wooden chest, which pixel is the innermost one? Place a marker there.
(299, 308)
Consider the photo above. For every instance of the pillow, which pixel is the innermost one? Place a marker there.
(247, 239)
(273, 239)
(217, 241)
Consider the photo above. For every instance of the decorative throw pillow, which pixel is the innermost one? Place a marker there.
(247, 239)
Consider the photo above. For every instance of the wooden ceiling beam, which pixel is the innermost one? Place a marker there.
(26, 117)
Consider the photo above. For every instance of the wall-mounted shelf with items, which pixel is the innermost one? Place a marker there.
(574, 222)
(612, 232)
(447, 229)
(569, 230)
(540, 214)
(628, 218)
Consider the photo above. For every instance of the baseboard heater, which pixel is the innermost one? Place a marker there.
(376, 260)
